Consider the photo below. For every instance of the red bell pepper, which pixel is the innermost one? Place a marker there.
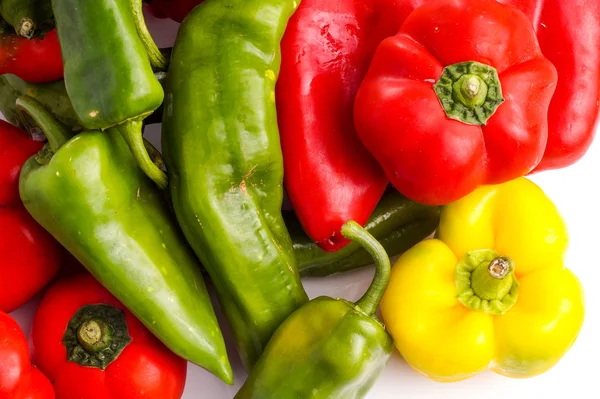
(92, 347)
(483, 121)
(29, 256)
(176, 10)
(329, 175)
(18, 378)
(37, 60)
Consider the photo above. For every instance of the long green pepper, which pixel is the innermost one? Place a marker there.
(329, 348)
(108, 73)
(222, 150)
(88, 193)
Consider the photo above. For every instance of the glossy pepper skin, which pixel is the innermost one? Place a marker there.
(89, 195)
(51, 95)
(29, 256)
(520, 325)
(397, 223)
(144, 368)
(569, 35)
(329, 175)
(29, 18)
(225, 164)
(110, 81)
(18, 378)
(38, 60)
(329, 348)
(436, 135)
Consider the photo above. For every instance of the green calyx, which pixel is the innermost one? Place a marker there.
(96, 336)
(469, 92)
(485, 282)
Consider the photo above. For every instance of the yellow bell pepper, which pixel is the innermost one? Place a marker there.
(491, 292)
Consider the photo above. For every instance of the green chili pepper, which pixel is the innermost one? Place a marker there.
(397, 223)
(87, 193)
(222, 151)
(53, 96)
(29, 18)
(329, 348)
(108, 73)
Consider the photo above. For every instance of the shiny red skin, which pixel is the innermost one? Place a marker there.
(569, 35)
(329, 175)
(427, 156)
(38, 60)
(176, 10)
(15, 148)
(145, 369)
(18, 378)
(29, 256)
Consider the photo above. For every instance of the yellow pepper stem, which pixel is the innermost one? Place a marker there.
(485, 282)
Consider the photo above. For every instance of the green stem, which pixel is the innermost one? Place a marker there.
(370, 300)
(96, 335)
(57, 133)
(132, 133)
(485, 282)
(158, 61)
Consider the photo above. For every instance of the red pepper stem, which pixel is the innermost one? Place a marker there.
(132, 133)
(370, 300)
(158, 61)
(56, 132)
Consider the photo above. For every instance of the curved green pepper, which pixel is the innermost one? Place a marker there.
(108, 73)
(397, 223)
(89, 195)
(222, 151)
(53, 96)
(332, 348)
(29, 18)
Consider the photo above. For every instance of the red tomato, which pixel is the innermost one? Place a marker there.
(145, 369)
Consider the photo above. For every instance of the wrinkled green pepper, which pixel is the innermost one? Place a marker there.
(108, 73)
(53, 96)
(221, 147)
(29, 18)
(329, 348)
(397, 223)
(87, 192)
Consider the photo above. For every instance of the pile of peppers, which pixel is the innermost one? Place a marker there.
(381, 121)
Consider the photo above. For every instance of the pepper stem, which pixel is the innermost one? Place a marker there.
(158, 61)
(469, 92)
(56, 132)
(96, 335)
(26, 28)
(370, 300)
(485, 281)
(132, 133)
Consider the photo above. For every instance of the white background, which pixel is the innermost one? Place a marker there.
(576, 192)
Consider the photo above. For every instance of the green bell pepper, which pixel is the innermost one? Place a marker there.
(329, 348)
(87, 193)
(397, 223)
(221, 147)
(108, 73)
